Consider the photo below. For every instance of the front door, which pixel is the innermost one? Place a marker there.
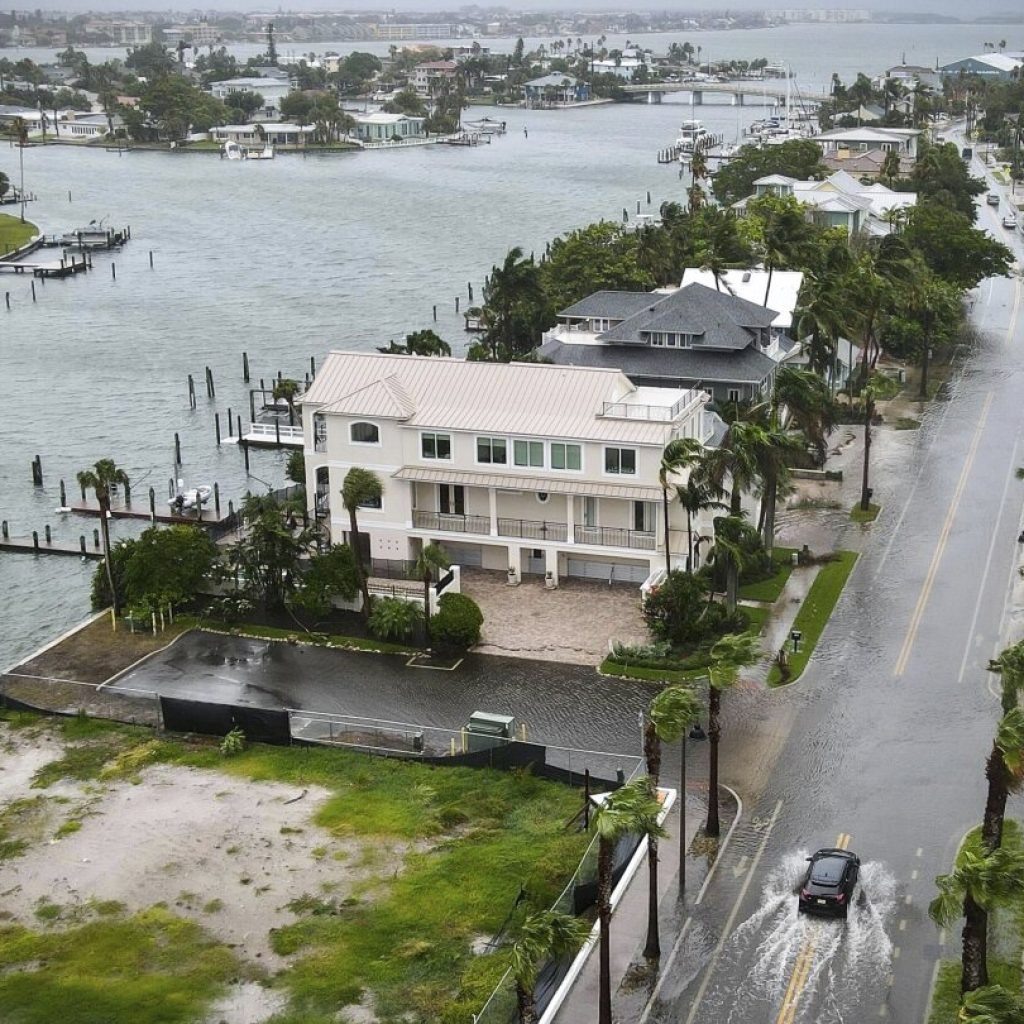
(451, 498)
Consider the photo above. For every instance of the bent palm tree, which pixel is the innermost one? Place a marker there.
(728, 656)
(671, 714)
(543, 935)
(104, 475)
(695, 496)
(679, 455)
(811, 409)
(992, 1005)
(360, 487)
(432, 560)
(1004, 770)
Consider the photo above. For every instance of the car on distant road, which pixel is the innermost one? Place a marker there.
(992, 199)
(1009, 222)
(828, 886)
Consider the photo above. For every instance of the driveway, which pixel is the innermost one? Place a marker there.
(572, 624)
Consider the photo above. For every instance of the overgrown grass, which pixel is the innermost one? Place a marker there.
(150, 968)
(859, 515)
(14, 234)
(770, 589)
(815, 612)
(906, 423)
(351, 643)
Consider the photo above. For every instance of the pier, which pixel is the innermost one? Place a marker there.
(269, 435)
(36, 545)
(119, 510)
(736, 93)
(56, 268)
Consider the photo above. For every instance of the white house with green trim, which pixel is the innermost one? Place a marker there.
(382, 127)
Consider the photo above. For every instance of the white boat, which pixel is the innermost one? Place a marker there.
(233, 151)
(693, 135)
(266, 153)
(187, 500)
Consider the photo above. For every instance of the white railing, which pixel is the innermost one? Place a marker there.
(286, 433)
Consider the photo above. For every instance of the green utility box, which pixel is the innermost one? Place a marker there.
(485, 730)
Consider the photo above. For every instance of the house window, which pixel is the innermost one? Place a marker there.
(451, 498)
(542, 497)
(372, 503)
(528, 453)
(734, 394)
(436, 446)
(643, 516)
(590, 511)
(566, 456)
(620, 461)
(319, 432)
(492, 450)
(364, 433)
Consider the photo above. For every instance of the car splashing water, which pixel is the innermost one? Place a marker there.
(834, 959)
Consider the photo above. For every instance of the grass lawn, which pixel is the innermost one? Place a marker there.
(1006, 941)
(769, 590)
(858, 515)
(400, 939)
(14, 234)
(815, 612)
(906, 423)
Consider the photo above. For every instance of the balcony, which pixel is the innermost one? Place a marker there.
(531, 529)
(451, 522)
(322, 501)
(612, 537)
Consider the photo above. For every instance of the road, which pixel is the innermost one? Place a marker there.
(880, 746)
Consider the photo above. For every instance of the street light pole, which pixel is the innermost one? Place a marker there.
(21, 160)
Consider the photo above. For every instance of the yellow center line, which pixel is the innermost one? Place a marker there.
(803, 963)
(929, 582)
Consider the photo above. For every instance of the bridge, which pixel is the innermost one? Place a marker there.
(737, 92)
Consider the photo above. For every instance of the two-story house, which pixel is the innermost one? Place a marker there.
(694, 337)
(522, 467)
(861, 149)
(428, 76)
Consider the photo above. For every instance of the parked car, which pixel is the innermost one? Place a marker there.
(992, 199)
(967, 154)
(1009, 222)
(829, 883)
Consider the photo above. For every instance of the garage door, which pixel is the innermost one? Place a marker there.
(616, 572)
(464, 554)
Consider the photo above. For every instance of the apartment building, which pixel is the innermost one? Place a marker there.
(521, 468)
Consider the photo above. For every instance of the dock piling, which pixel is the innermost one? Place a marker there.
(177, 449)
(469, 290)
(7, 299)
(63, 495)
(113, 271)
(150, 259)
(216, 426)
(216, 499)
(435, 314)
(37, 472)
(277, 430)
(245, 367)
(127, 494)
(231, 509)
(152, 506)
(49, 537)
(231, 420)
(33, 291)
(239, 418)
(191, 392)
(456, 303)
(312, 367)
(35, 539)
(96, 538)
(5, 530)
(648, 197)
(252, 407)
(245, 452)
(83, 491)
(81, 543)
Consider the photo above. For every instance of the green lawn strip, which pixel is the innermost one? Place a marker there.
(349, 643)
(858, 515)
(815, 612)
(1006, 940)
(13, 233)
(150, 968)
(769, 590)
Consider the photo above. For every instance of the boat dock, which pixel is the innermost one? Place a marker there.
(36, 545)
(119, 510)
(269, 435)
(56, 268)
(90, 239)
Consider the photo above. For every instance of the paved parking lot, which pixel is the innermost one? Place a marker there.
(573, 623)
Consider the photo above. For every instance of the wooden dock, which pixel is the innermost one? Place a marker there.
(40, 546)
(208, 517)
(60, 269)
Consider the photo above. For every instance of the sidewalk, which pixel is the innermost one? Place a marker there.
(629, 922)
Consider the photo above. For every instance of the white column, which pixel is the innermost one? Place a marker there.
(570, 519)
(492, 504)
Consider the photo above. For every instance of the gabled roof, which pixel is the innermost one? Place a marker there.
(384, 398)
(610, 305)
(751, 284)
(722, 321)
(867, 134)
(554, 79)
(775, 179)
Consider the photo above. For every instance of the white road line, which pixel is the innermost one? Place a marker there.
(903, 924)
(727, 930)
(913, 874)
(931, 994)
(895, 952)
(908, 899)
(920, 851)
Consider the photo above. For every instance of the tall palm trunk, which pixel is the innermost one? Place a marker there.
(652, 754)
(995, 801)
(426, 607)
(364, 585)
(689, 542)
(668, 553)
(525, 1005)
(975, 946)
(115, 600)
(771, 497)
(713, 827)
(682, 814)
(768, 287)
(865, 491)
(604, 917)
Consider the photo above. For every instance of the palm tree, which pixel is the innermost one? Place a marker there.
(679, 455)
(431, 561)
(671, 714)
(104, 475)
(360, 487)
(1004, 770)
(543, 935)
(729, 654)
(977, 884)
(695, 496)
(287, 389)
(809, 404)
(1009, 666)
(867, 395)
(773, 450)
(512, 294)
(627, 811)
(992, 1005)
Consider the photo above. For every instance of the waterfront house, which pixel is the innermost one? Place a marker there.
(382, 127)
(555, 90)
(841, 144)
(276, 133)
(779, 291)
(273, 90)
(1004, 66)
(909, 76)
(694, 337)
(522, 467)
(840, 200)
(622, 67)
(428, 76)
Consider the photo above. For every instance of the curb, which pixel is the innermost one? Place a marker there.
(139, 661)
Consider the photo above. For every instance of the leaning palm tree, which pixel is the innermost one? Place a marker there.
(678, 456)
(431, 561)
(671, 714)
(992, 1005)
(1004, 770)
(104, 475)
(729, 654)
(867, 395)
(774, 450)
(360, 487)
(627, 811)
(977, 884)
(543, 935)
(806, 398)
(1009, 666)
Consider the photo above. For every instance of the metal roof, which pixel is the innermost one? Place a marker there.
(534, 399)
(514, 482)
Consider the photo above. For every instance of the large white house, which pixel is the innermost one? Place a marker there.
(522, 467)
(273, 90)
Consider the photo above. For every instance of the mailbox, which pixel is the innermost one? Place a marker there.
(485, 730)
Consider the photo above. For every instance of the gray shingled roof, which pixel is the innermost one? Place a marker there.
(611, 305)
(720, 320)
(745, 366)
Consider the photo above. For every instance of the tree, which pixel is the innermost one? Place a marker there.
(678, 612)
(798, 158)
(867, 396)
(940, 175)
(696, 496)
(360, 487)
(330, 574)
(246, 101)
(168, 566)
(992, 1005)
(890, 169)
(822, 317)
(1004, 771)
(419, 343)
(101, 479)
(408, 102)
(782, 233)
(953, 248)
(456, 627)
(978, 883)
(542, 935)
(295, 467)
(810, 407)
(678, 456)
(430, 563)
(151, 62)
(393, 618)
(671, 714)
(627, 811)
(728, 656)
(514, 307)
(287, 390)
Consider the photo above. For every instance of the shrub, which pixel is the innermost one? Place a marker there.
(679, 612)
(456, 626)
(756, 565)
(391, 618)
(231, 608)
(233, 742)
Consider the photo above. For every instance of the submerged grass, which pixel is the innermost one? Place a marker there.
(770, 589)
